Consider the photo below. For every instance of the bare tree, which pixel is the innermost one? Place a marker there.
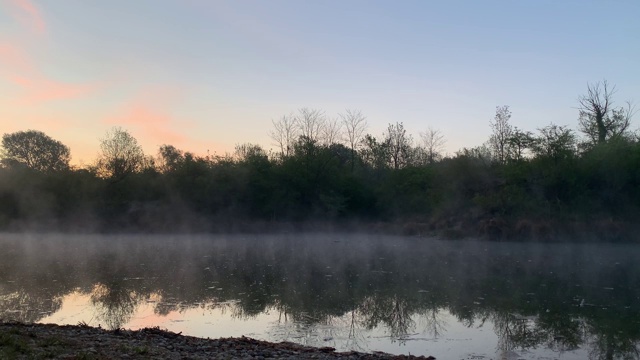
(433, 142)
(399, 145)
(599, 120)
(120, 155)
(502, 132)
(285, 134)
(331, 132)
(311, 123)
(355, 125)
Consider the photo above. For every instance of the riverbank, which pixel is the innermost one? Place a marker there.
(49, 341)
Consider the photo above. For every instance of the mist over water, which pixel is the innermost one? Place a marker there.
(394, 294)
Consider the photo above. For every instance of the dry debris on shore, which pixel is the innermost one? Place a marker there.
(40, 341)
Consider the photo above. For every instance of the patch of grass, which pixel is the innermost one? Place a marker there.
(11, 345)
(137, 350)
(141, 350)
(85, 356)
(50, 354)
(14, 331)
(51, 341)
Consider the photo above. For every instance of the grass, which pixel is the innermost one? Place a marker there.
(15, 343)
(85, 356)
(26, 343)
(12, 346)
(137, 350)
(141, 350)
(51, 341)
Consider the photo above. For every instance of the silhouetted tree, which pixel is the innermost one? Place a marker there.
(331, 132)
(375, 154)
(244, 152)
(519, 142)
(285, 134)
(502, 132)
(355, 124)
(555, 142)
(35, 150)
(433, 142)
(169, 157)
(599, 119)
(399, 143)
(120, 155)
(311, 123)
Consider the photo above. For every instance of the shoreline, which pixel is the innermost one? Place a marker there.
(34, 341)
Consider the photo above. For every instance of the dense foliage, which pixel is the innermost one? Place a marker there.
(519, 184)
(599, 187)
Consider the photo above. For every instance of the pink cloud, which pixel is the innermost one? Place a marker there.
(155, 124)
(17, 68)
(38, 89)
(150, 116)
(27, 13)
(13, 57)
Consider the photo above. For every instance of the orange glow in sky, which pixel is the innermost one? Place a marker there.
(204, 76)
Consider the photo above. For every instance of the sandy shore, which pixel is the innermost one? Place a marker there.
(39, 341)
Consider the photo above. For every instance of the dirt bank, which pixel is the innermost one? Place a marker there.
(39, 341)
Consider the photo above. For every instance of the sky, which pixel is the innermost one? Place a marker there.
(205, 75)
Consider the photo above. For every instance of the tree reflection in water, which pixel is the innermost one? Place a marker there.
(25, 307)
(433, 322)
(114, 304)
(556, 296)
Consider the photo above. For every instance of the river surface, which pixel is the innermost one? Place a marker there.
(449, 299)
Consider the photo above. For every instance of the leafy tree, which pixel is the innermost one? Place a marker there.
(374, 153)
(463, 177)
(599, 119)
(256, 175)
(407, 191)
(35, 150)
(555, 142)
(310, 181)
(519, 142)
(120, 155)
(481, 154)
(247, 152)
(169, 158)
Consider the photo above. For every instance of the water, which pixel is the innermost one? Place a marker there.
(452, 300)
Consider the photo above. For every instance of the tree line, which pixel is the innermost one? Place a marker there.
(544, 184)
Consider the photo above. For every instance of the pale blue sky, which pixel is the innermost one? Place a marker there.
(205, 75)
